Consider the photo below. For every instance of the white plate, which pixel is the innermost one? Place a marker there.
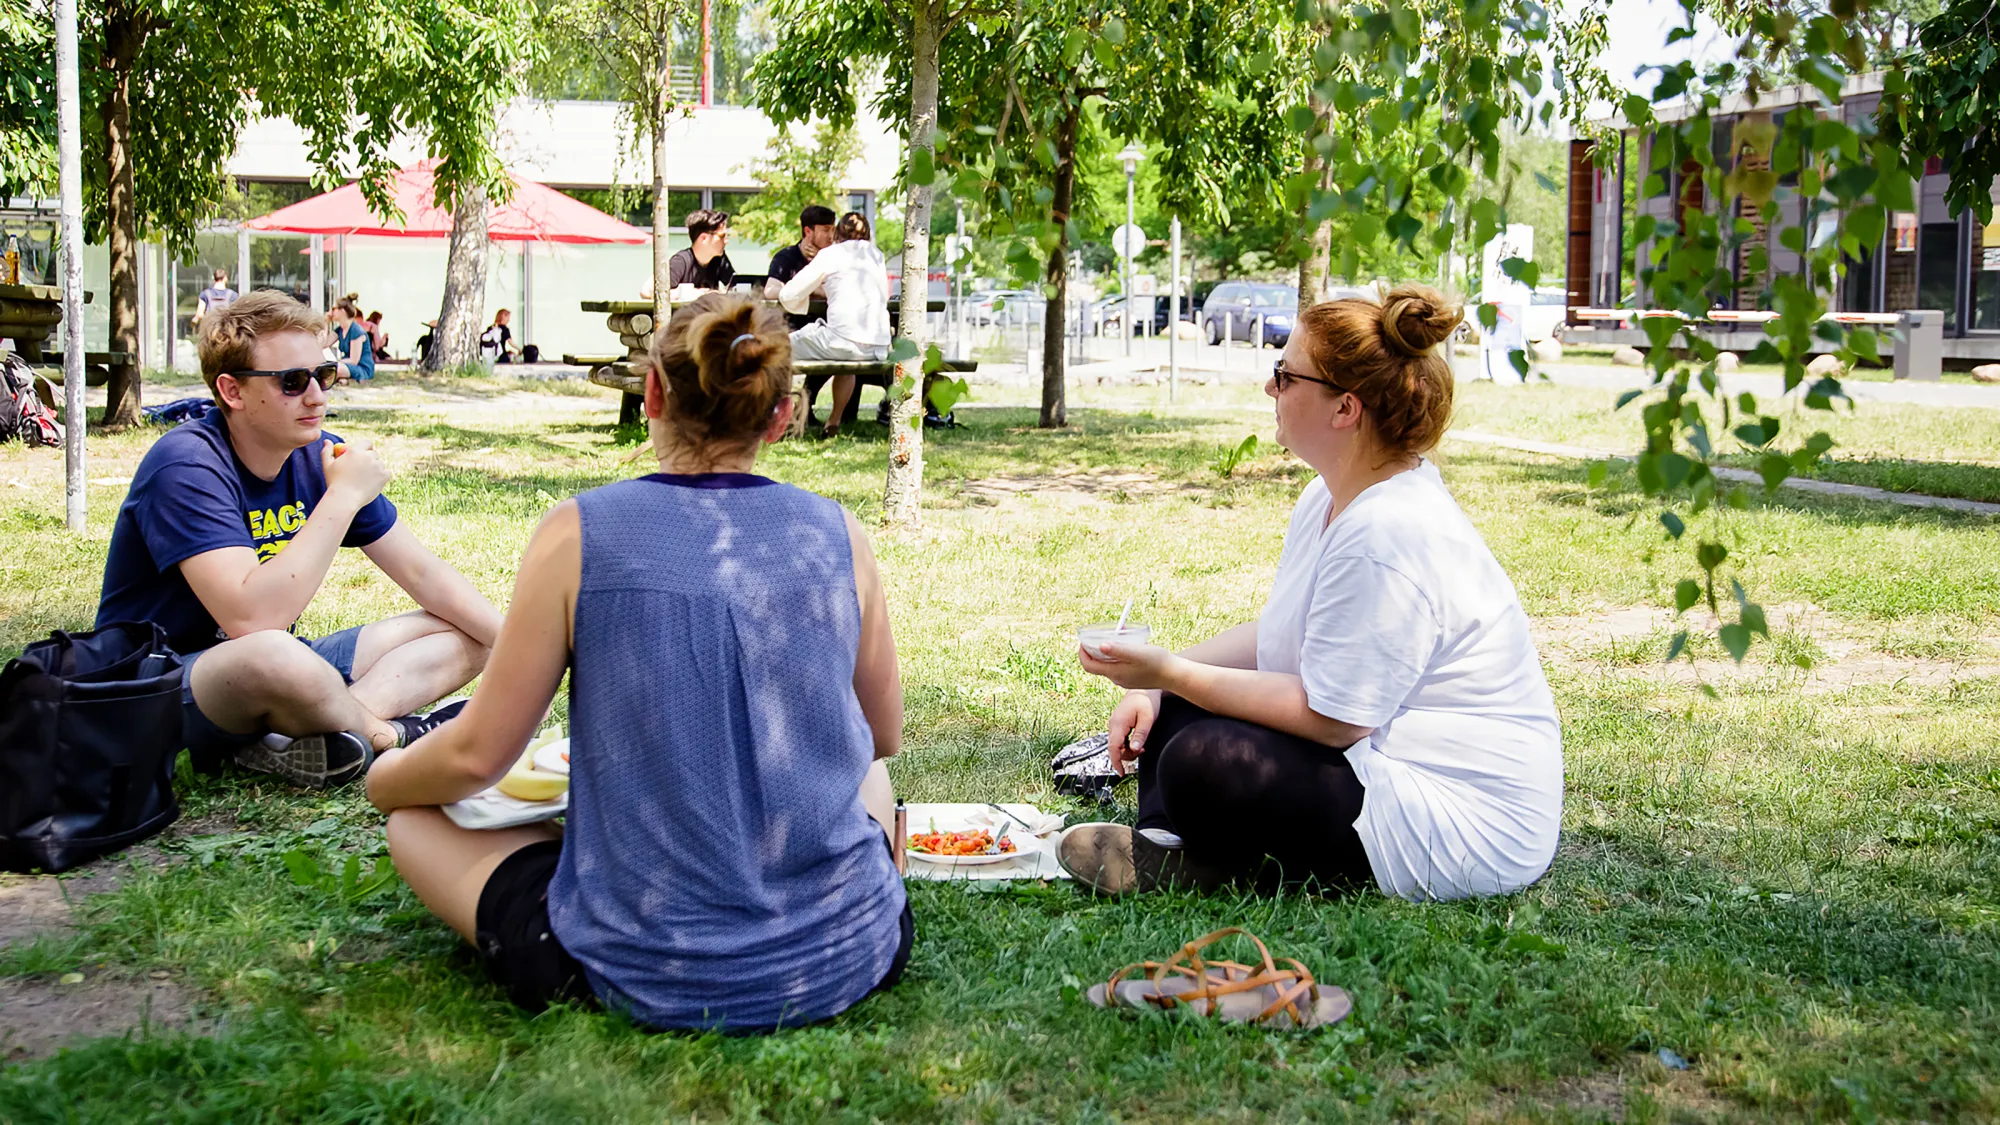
(1022, 850)
(550, 757)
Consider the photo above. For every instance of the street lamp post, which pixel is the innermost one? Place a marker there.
(1131, 156)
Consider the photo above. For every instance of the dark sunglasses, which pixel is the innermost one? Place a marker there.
(1283, 377)
(292, 380)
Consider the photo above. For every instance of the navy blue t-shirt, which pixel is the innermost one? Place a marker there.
(191, 494)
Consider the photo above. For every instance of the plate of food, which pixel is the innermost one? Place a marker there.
(973, 847)
(553, 757)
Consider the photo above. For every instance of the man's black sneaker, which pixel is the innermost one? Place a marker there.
(317, 761)
(409, 728)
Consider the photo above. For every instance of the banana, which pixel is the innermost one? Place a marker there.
(527, 783)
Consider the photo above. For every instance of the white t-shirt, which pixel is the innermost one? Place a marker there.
(1398, 618)
(857, 291)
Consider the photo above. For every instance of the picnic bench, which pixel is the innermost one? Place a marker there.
(28, 313)
(634, 322)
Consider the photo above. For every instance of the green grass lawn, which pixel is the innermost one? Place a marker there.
(1793, 884)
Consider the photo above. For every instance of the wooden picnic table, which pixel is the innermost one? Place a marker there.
(28, 313)
(635, 323)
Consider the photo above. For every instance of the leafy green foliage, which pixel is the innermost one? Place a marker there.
(793, 175)
(1225, 465)
(1947, 109)
(27, 102)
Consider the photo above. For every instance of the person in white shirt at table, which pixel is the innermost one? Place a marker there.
(1385, 721)
(855, 279)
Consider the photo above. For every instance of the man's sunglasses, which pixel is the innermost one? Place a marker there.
(1283, 377)
(292, 381)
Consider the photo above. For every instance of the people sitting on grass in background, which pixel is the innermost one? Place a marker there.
(705, 263)
(1385, 720)
(378, 335)
(353, 347)
(496, 343)
(855, 280)
(725, 863)
(228, 531)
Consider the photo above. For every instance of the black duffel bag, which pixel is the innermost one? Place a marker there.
(90, 724)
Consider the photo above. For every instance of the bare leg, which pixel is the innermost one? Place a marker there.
(843, 389)
(448, 866)
(412, 659)
(879, 797)
(269, 681)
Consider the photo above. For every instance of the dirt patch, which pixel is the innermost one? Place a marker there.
(1088, 485)
(38, 1015)
(1632, 640)
(33, 905)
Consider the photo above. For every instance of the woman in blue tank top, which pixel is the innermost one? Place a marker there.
(733, 691)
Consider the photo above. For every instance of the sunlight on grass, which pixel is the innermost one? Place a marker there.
(1793, 882)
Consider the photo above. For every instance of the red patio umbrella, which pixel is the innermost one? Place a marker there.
(535, 214)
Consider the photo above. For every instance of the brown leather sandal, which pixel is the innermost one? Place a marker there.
(1227, 990)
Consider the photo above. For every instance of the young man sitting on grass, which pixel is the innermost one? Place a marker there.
(229, 528)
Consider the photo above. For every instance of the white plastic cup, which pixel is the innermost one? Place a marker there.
(1091, 637)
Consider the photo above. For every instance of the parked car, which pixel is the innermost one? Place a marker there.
(1006, 307)
(1234, 309)
(1106, 314)
(1548, 312)
(1547, 316)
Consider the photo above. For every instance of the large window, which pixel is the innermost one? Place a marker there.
(1937, 271)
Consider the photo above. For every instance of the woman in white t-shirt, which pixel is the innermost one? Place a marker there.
(855, 278)
(1385, 720)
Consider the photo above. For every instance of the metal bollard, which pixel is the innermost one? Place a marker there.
(1919, 351)
(1260, 336)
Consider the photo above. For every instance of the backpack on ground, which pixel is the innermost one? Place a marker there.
(22, 414)
(90, 725)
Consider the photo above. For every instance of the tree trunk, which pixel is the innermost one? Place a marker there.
(902, 491)
(1055, 408)
(461, 317)
(663, 252)
(123, 36)
(1319, 261)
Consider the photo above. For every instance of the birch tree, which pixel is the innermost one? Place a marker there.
(632, 41)
(809, 74)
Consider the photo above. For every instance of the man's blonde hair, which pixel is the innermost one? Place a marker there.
(228, 333)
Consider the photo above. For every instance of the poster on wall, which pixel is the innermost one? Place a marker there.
(1990, 248)
(1903, 240)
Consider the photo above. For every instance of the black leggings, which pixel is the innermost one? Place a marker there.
(1236, 792)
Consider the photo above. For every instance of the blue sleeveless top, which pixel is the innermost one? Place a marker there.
(719, 869)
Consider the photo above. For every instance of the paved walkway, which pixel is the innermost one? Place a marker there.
(1767, 386)
(1745, 476)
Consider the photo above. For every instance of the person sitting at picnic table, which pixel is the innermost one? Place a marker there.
(229, 530)
(855, 278)
(705, 263)
(353, 347)
(1385, 719)
(725, 863)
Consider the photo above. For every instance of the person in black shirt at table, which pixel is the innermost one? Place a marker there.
(705, 264)
(815, 234)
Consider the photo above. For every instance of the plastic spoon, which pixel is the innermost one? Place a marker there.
(1125, 613)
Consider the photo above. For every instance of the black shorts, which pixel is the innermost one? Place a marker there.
(523, 956)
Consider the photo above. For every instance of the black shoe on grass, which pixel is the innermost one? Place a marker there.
(315, 761)
(409, 728)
